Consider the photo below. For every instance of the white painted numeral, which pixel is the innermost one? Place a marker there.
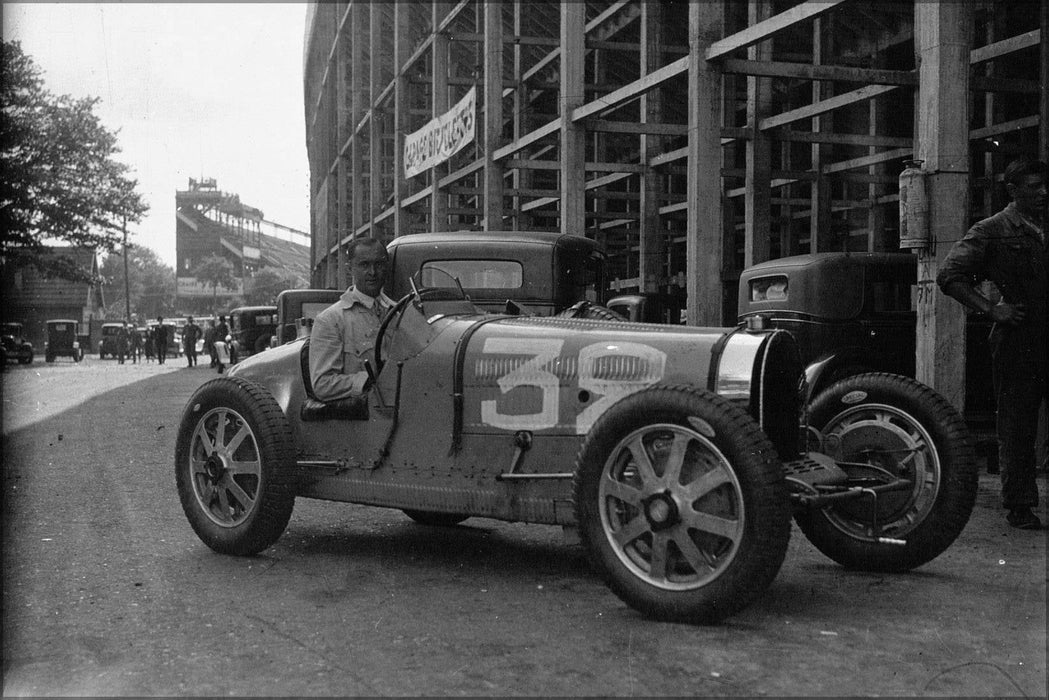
(646, 363)
(530, 373)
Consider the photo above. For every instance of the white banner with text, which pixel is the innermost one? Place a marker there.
(442, 137)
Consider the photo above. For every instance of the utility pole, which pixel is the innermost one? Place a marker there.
(127, 283)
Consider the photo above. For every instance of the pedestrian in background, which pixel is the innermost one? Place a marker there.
(209, 340)
(160, 339)
(136, 344)
(221, 344)
(1010, 250)
(123, 342)
(149, 343)
(190, 335)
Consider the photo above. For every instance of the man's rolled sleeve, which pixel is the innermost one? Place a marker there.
(327, 362)
(965, 261)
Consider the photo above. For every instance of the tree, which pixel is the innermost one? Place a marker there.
(215, 271)
(266, 284)
(60, 180)
(150, 281)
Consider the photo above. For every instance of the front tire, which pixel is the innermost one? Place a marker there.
(901, 429)
(682, 504)
(234, 462)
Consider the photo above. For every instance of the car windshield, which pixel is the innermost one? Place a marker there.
(472, 274)
(11, 329)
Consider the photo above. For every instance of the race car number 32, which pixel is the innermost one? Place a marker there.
(608, 370)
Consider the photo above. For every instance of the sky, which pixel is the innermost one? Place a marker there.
(193, 90)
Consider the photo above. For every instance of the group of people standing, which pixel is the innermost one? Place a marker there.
(153, 342)
(147, 343)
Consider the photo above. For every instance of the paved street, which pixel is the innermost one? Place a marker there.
(107, 591)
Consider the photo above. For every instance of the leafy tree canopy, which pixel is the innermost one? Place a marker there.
(266, 284)
(60, 179)
(151, 284)
(215, 271)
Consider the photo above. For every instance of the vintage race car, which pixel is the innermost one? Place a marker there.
(679, 454)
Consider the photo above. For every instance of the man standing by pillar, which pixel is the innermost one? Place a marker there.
(1010, 249)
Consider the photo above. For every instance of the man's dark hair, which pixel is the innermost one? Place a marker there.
(1021, 168)
(352, 246)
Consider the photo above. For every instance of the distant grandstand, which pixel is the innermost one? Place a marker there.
(211, 222)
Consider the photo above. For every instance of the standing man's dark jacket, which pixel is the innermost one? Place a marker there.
(1007, 251)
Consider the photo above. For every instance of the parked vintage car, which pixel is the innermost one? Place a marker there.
(250, 329)
(854, 313)
(296, 310)
(545, 272)
(13, 343)
(63, 340)
(108, 344)
(679, 454)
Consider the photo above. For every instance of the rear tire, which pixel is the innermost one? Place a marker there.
(234, 462)
(681, 504)
(903, 429)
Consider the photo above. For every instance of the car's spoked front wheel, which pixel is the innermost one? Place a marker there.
(235, 465)
(671, 506)
(226, 466)
(682, 504)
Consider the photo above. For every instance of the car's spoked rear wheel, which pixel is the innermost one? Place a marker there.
(226, 466)
(682, 504)
(234, 466)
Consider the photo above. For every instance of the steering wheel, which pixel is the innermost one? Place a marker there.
(394, 311)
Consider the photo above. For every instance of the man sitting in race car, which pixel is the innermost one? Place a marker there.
(343, 335)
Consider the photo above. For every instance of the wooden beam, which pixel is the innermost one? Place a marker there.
(1004, 127)
(542, 132)
(1005, 46)
(804, 71)
(375, 124)
(401, 101)
(572, 135)
(756, 206)
(823, 106)
(439, 105)
(844, 139)
(652, 253)
(632, 90)
(493, 115)
(704, 245)
(942, 44)
(616, 127)
(769, 27)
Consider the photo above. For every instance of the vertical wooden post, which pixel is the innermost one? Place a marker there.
(375, 119)
(573, 136)
(822, 238)
(358, 51)
(522, 176)
(941, 32)
(704, 243)
(439, 82)
(651, 236)
(757, 193)
(493, 115)
(342, 117)
(401, 107)
(1043, 124)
